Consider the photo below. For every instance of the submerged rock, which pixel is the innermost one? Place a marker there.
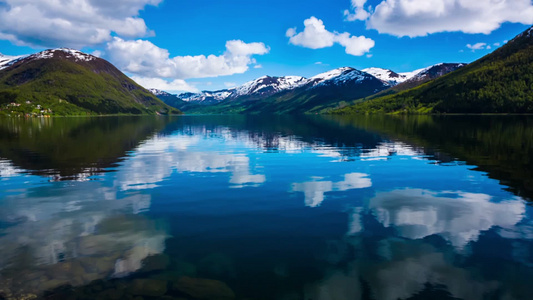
(148, 287)
(155, 263)
(203, 289)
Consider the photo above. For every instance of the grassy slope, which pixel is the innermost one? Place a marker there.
(501, 82)
(70, 88)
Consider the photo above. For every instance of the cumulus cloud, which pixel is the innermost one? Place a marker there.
(421, 17)
(177, 85)
(316, 36)
(359, 12)
(477, 46)
(72, 23)
(142, 58)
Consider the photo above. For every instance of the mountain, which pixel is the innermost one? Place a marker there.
(390, 76)
(500, 82)
(69, 82)
(287, 94)
(259, 88)
(295, 94)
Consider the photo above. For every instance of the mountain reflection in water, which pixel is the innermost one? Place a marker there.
(266, 207)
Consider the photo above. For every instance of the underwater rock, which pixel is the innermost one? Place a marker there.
(203, 289)
(155, 263)
(148, 287)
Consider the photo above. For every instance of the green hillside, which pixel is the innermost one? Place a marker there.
(501, 82)
(63, 85)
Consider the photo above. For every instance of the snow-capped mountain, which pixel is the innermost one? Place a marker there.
(328, 88)
(157, 92)
(419, 75)
(65, 53)
(389, 76)
(434, 71)
(260, 87)
(339, 76)
(206, 97)
(6, 61)
(267, 85)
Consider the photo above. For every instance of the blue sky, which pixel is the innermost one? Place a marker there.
(167, 44)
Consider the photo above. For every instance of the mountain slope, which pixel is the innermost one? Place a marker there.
(69, 82)
(299, 95)
(500, 82)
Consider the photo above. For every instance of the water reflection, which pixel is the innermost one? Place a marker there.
(74, 234)
(314, 190)
(458, 217)
(262, 208)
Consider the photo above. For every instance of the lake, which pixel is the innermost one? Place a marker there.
(267, 207)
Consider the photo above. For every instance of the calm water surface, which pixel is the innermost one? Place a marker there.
(267, 207)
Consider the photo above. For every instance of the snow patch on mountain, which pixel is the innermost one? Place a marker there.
(69, 53)
(388, 76)
(339, 76)
(6, 60)
(329, 75)
(215, 96)
(157, 92)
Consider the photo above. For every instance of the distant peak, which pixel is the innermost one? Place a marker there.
(332, 73)
(68, 52)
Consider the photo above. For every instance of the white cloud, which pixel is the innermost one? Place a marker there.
(72, 23)
(477, 46)
(143, 58)
(230, 84)
(355, 45)
(177, 85)
(421, 17)
(359, 11)
(258, 66)
(316, 36)
(97, 53)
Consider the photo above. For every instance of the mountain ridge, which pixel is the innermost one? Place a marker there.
(333, 87)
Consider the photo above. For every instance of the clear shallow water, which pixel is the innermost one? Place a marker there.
(267, 207)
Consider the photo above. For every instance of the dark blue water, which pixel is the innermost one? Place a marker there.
(266, 207)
